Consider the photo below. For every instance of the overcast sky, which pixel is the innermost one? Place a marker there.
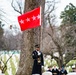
(12, 15)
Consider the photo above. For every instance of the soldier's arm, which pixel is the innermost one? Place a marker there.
(35, 55)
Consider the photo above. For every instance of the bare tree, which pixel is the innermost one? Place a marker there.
(30, 5)
(12, 42)
(29, 39)
(1, 35)
(16, 3)
(54, 35)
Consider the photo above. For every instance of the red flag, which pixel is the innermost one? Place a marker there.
(30, 19)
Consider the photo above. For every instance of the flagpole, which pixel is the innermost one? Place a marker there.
(41, 46)
(40, 15)
(41, 27)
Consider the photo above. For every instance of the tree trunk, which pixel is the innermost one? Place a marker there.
(29, 39)
(59, 62)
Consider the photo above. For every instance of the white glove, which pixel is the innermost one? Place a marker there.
(39, 53)
(42, 66)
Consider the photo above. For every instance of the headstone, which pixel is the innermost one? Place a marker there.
(72, 73)
(9, 71)
(35, 74)
(46, 73)
(2, 74)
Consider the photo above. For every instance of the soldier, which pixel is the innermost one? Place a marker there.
(49, 68)
(63, 71)
(73, 68)
(55, 71)
(38, 61)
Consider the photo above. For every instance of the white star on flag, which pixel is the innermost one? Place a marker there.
(21, 21)
(34, 18)
(38, 16)
(28, 19)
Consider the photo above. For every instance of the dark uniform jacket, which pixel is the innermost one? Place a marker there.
(63, 72)
(38, 62)
(55, 72)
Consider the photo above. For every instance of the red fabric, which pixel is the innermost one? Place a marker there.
(30, 19)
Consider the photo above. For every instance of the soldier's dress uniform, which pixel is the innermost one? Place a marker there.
(55, 71)
(38, 62)
(63, 72)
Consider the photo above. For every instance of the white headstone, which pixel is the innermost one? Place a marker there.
(72, 73)
(35, 74)
(47, 73)
(2, 74)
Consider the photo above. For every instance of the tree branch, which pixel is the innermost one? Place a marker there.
(5, 63)
(15, 8)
